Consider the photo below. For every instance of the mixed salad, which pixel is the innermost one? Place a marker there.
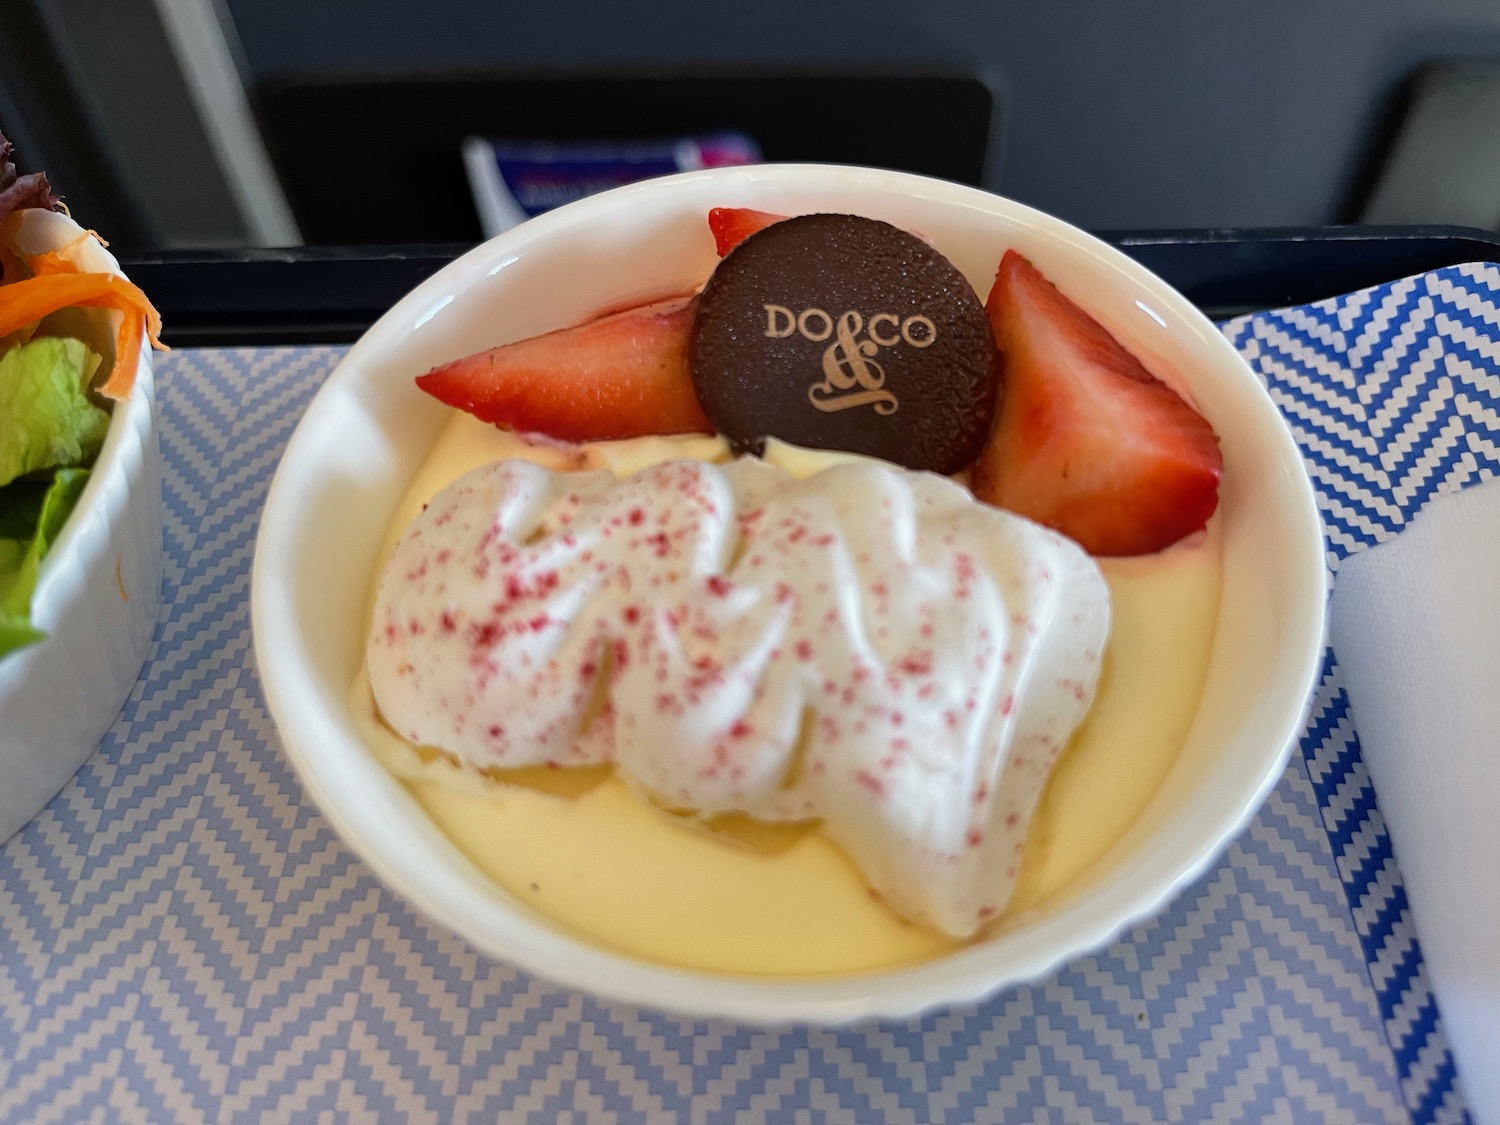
(57, 385)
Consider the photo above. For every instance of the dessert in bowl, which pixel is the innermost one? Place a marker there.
(372, 449)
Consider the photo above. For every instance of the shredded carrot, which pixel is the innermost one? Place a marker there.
(127, 356)
(52, 261)
(24, 302)
(65, 258)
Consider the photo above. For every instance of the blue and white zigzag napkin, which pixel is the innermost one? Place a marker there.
(184, 938)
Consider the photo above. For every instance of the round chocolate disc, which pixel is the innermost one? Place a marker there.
(839, 332)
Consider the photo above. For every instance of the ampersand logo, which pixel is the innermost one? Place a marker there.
(851, 374)
(839, 332)
(851, 377)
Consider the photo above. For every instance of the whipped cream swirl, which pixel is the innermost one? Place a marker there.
(869, 647)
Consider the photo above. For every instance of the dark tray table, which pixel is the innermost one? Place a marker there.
(330, 295)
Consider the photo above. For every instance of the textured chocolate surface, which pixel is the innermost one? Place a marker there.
(840, 332)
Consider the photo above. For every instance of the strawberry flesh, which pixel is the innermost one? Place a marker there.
(732, 225)
(1087, 441)
(623, 375)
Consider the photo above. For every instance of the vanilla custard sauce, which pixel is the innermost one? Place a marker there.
(781, 901)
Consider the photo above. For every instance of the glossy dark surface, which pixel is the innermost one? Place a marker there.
(330, 295)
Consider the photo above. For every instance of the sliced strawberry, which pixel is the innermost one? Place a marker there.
(1088, 441)
(618, 376)
(732, 225)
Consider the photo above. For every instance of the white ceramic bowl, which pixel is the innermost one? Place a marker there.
(369, 428)
(97, 596)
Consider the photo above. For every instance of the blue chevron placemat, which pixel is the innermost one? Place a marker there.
(183, 938)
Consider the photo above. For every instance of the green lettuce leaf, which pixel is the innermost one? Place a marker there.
(32, 515)
(46, 418)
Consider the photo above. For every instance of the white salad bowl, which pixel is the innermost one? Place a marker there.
(97, 595)
(369, 428)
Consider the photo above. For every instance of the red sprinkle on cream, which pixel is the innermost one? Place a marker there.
(496, 639)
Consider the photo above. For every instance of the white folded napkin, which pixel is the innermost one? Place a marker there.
(1416, 628)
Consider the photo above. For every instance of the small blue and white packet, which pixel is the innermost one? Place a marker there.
(515, 180)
